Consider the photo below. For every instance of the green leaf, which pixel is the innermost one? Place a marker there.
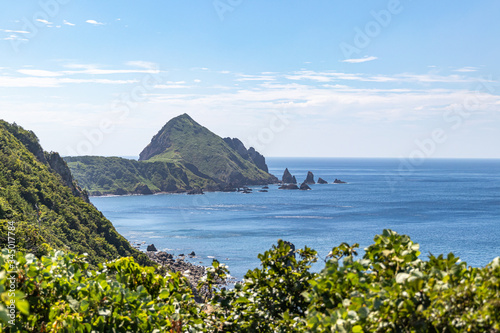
(357, 329)
(242, 300)
(84, 305)
(23, 306)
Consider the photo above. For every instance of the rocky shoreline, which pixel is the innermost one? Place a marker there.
(193, 273)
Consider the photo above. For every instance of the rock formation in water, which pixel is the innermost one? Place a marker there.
(288, 178)
(338, 181)
(304, 187)
(309, 178)
(322, 181)
(288, 187)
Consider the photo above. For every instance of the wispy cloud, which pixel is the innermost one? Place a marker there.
(47, 23)
(52, 82)
(94, 22)
(142, 64)
(172, 85)
(466, 69)
(15, 31)
(68, 23)
(245, 77)
(359, 60)
(39, 72)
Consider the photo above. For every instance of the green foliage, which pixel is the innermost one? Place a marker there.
(115, 175)
(45, 210)
(391, 290)
(270, 298)
(59, 293)
(388, 290)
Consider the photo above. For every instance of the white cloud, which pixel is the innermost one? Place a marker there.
(15, 37)
(197, 80)
(45, 22)
(68, 23)
(172, 85)
(52, 82)
(15, 31)
(244, 77)
(39, 72)
(94, 22)
(466, 69)
(359, 60)
(142, 64)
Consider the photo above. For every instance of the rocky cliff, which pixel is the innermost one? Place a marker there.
(182, 140)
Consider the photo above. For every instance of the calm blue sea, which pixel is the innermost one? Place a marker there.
(445, 205)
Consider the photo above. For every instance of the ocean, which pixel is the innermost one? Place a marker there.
(445, 205)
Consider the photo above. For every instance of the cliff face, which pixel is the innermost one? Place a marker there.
(36, 193)
(55, 163)
(182, 140)
(250, 155)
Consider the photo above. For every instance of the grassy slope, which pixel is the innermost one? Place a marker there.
(115, 175)
(66, 221)
(192, 143)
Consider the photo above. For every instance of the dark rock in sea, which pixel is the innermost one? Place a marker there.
(247, 190)
(292, 248)
(288, 178)
(142, 189)
(192, 254)
(263, 191)
(288, 187)
(196, 190)
(304, 187)
(151, 248)
(338, 181)
(322, 181)
(120, 191)
(310, 178)
(265, 187)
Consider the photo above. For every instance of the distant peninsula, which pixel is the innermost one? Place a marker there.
(183, 156)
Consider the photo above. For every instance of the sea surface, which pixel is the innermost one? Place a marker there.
(445, 205)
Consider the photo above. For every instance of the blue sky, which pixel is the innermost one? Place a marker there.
(408, 79)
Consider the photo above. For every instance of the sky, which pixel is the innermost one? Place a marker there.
(395, 78)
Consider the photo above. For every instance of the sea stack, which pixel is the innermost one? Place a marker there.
(322, 181)
(288, 187)
(309, 178)
(304, 187)
(288, 178)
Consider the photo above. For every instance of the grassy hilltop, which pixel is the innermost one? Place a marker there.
(182, 156)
